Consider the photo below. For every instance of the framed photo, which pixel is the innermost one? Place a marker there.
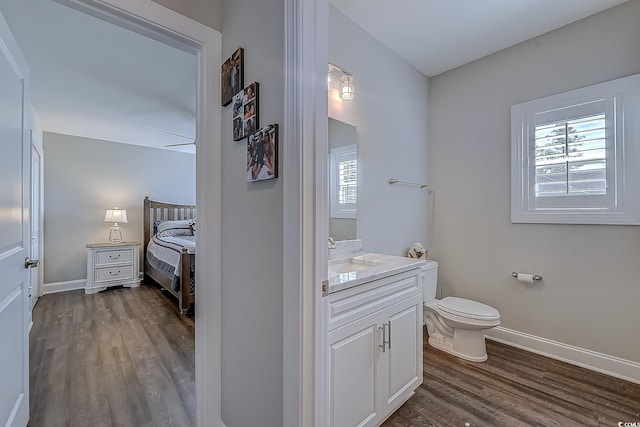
(262, 154)
(232, 76)
(245, 112)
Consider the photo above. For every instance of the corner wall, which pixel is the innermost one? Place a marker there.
(83, 177)
(390, 111)
(252, 229)
(590, 292)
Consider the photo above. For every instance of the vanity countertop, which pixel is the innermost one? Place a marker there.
(355, 269)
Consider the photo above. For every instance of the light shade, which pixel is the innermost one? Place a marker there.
(116, 215)
(347, 88)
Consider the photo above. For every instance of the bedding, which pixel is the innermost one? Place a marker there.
(173, 228)
(164, 254)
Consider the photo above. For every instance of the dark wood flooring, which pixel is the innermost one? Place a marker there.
(125, 357)
(515, 388)
(121, 357)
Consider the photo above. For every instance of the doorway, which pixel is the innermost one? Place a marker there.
(158, 23)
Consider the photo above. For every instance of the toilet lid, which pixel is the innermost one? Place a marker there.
(467, 308)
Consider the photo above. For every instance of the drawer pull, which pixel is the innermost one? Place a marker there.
(114, 257)
(384, 336)
(114, 274)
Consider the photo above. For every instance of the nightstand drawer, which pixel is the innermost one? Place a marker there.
(109, 257)
(108, 274)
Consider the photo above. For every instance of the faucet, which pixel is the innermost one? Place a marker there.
(331, 245)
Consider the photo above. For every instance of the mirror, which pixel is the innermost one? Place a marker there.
(343, 180)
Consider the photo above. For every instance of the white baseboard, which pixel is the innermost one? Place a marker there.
(71, 285)
(599, 362)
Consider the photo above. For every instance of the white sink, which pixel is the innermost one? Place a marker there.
(352, 264)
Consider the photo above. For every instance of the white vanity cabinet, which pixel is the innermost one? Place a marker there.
(374, 348)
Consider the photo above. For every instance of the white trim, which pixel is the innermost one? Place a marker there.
(162, 24)
(69, 285)
(305, 211)
(622, 204)
(599, 362)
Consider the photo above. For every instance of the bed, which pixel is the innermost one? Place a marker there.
(170, 260)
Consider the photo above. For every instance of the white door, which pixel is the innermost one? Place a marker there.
(34, 278)
(14, 235)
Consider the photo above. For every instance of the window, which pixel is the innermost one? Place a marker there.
(344, 181)
(576, 158)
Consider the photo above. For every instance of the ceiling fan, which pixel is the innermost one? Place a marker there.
(193, 140)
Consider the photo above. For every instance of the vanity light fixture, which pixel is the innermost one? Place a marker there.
(343, 81)
(115, 215)
(347, 90)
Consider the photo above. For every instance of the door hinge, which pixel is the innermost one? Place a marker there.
(325, 288)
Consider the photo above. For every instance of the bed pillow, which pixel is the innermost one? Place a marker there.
(192, 223)
(174, 228)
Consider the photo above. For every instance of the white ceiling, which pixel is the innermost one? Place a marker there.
(439, 35)
(93, 79)
(96, 80)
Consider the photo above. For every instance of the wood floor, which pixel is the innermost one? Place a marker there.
(515, 388)
(122, 357)
(125, 357)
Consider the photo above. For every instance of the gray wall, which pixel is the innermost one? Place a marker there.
(390, 112)
(589, 297)
(84, 177)
(252, 276)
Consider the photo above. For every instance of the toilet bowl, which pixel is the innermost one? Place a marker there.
(455, 325)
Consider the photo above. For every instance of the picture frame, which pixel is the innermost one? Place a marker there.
(262, 154)
(232, 76)
(245, 111)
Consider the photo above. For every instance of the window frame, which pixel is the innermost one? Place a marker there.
(621, 205)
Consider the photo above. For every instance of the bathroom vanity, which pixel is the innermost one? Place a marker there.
(373, 313)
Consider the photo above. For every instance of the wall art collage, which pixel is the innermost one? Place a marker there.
(262, 142)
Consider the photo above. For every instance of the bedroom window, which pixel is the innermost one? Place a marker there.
(343, 170)
(575, 158)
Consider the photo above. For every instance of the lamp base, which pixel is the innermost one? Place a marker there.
(115, 235)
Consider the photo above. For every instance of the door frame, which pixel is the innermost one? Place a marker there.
(164, 25)
(35, 151)
(305, 212)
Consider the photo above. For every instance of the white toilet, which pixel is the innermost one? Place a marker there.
(455, 325)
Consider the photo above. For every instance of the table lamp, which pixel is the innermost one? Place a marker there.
(115, 215)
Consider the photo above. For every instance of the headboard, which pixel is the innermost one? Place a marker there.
(161, 211)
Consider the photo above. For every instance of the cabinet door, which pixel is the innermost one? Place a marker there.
(401, 364)
(353, 353)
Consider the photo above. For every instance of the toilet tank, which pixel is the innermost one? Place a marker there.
(429, 280)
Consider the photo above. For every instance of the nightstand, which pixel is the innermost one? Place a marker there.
(112, 264)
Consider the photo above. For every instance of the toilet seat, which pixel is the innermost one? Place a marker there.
(468, 309)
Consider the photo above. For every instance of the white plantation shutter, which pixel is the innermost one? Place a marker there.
(571, 157)
(347, 178)
(575, 158)
(343, 173)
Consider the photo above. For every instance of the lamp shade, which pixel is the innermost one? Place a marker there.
(116, 215)
(347, 89)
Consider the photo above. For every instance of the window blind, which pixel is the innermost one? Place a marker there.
(571, 157)
(347, 179)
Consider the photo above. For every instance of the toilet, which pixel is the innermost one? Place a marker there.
(455, 325)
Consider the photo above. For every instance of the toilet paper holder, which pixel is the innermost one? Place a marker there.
(536, 277)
